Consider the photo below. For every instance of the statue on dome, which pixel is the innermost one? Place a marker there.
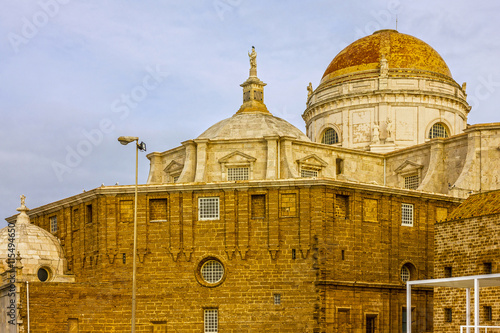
(464, 87)
(384, 65)
(253, 58)
(23, 200)
(309, 90)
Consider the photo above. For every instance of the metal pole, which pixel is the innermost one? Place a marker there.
(408, 307)
(28, 305)
(467, 309)
(135, 237)
(476, 306)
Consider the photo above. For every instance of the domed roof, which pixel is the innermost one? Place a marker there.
(36, 247)
(252, 125)
(401, 51)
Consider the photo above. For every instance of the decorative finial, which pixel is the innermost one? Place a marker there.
(23, 217)
(253, 62)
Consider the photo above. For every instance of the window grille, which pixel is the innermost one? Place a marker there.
(175, 178)
(407, 215)
(53, 224)
(237, 174)
(277, 299)
(405, 274)
(208, 208)
(308, 173)
(438, 131)
(412, 182)
(212, 271)
(330, 137)
(211, 321)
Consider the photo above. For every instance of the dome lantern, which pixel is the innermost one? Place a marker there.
(253, 89)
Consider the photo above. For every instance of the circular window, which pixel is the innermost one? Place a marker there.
(212, 271)
(405, 274)
(43, 274)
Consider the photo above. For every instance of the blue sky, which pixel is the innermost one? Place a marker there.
(75, 75)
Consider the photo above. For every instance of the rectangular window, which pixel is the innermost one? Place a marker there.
(488, 313)
(407, 215)
(211, 321)
(258, 202)
(370, 323)
(208, 208)
(237, 174)
(448, 272)
(412, 182)
(88, 216)
(127, 211)
(157, 210)
(448, 315)
(53, 224)
(308, 173)
(488, 268)
(277, 299)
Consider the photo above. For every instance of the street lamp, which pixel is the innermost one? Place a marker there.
(125, 140)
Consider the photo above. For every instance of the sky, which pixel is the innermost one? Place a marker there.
(77, 74)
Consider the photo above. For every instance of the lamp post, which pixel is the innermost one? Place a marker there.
(125, 140)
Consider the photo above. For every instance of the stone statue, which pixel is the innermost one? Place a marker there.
(376, 134)
(253, 58)
(464, 87)
(309, 90)
(389, 128)
(23, 200)
(384, 65)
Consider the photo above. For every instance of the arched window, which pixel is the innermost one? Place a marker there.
(330, 137)
(438, 130)
(405, 274)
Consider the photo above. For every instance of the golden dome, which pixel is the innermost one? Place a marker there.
(404, 53)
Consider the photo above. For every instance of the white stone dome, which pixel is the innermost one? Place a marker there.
(252, 125)
(36, 247)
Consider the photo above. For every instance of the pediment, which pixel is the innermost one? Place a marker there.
(173, 166)
(312, 161)
(408, 167)
(237, 157)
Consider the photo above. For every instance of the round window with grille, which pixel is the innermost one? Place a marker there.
(210, 272)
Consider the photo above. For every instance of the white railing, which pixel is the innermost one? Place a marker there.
(470, 328)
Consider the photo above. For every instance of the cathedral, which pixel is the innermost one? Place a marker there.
(256, 226)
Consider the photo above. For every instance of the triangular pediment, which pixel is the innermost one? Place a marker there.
(237, 157)
(312, 161)
(173, 166)
(408, 166)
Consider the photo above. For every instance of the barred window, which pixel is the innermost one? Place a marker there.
(212, 271)
(330, 137)
(407, 215)
(277, 299)
(412, 182)
(208, 208)
(211, 321)
(308, 173)
(438, 130)
(405, 274)
(237, 173)
(53, 224)
(488, 313)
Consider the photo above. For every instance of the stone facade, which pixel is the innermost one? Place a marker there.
(313, 242)
(467, 244)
